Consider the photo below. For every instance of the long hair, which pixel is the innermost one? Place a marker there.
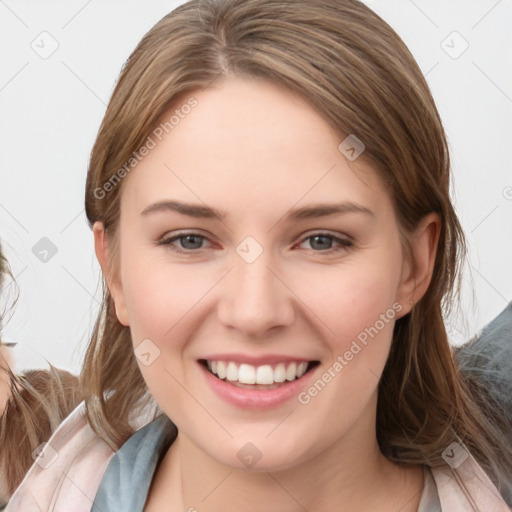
(37, 402)
(358, 74)
(40, 400)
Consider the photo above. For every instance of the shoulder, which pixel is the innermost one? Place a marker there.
(67, 471)
(126, 482)
(487, 359)
(463, 486)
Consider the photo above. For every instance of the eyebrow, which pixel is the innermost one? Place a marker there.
(306, 212)
(8, 344)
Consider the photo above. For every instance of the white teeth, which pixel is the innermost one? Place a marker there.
(249, 374)
(301, 369)
(291, 371)
(280, 373)
(232, 372)
(246, 374)
(221, 370)
(264, 375)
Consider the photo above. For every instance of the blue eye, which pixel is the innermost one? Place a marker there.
(319, 242)
(324, 242)
(188, 242)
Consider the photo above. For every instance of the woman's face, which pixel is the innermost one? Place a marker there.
(263, 281)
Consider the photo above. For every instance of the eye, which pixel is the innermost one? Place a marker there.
(319, 242)
(187, 242)
(323, 242)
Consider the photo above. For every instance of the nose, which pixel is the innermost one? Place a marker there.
(255, 297)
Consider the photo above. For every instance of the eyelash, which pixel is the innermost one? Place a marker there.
(345, 243)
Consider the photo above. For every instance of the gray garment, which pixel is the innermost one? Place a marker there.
(486, 359)
(127, 479)
(485, 363)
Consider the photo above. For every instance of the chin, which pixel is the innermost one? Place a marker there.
(259, 457)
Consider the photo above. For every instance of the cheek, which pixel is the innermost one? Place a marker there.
(357, 307)
(160, 302)
(165, 302)
(351, 299)
(159, 297)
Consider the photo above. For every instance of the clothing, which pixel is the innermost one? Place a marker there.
(81, 474)
(125, 484)
(485, 361)
(69, 483)
(125, 490)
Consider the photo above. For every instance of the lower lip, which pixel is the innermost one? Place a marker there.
(256, 398)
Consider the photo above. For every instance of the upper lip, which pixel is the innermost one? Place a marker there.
(257, 360)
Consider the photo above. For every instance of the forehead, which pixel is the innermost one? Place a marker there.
(250, 145)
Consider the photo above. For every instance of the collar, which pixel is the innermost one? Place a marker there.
(127, 479)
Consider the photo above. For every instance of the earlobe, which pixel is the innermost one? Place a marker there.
(101, 248)
(416, 278)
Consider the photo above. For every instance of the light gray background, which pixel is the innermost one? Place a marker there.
(51, 108)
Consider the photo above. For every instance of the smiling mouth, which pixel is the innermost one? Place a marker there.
(262, 377)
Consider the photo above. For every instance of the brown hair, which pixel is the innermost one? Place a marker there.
(356, 72)
(40, 401)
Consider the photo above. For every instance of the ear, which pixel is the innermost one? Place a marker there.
(415, 281)
(115, 288)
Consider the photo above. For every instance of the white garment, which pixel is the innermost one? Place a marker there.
(68, 475)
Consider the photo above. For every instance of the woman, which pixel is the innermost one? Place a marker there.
(5, 352)
(32, 405)
(269, 199)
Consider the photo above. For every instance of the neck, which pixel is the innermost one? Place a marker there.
(351, 474)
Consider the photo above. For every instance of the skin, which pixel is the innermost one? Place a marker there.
(5, 393)
(257, 150)
(5, 385)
